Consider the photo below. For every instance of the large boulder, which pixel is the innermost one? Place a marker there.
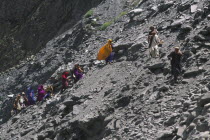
(156, 66)
(194, 72)
(122, 46)
(165, 6)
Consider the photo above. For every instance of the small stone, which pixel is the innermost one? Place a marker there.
(208, 17)
(15, 118)
(181, 130)
(199, 37)
(123, 101)
(207, 45)
(76, 110)
(68, 102)
(205, 135)
(164, 88)
(178, 22)
(186, 28)
(171, 120)
(194, 8)
(136, 11)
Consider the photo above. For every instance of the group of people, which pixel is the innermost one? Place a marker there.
(76, 74)
(29, 98)
(175, 56)
(43, 93)
(105, 53)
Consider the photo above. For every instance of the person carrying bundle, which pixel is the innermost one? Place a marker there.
(154, 41)
(106, 52)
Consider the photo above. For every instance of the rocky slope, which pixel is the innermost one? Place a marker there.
(26, 26)
(130, 99)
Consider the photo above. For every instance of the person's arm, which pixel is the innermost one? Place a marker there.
(180, 53)
(80, 69)
(157, 39)
(15, 104)
(25, 98)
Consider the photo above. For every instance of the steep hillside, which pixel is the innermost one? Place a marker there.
(132, 99)
(26, 26)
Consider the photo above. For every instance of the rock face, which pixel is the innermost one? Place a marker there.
(26, 26)
(131, 99)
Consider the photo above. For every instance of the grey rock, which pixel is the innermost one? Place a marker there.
(156, 66)
(206, 109)
(204, 100)
(194, 72)
(204, 135)
(165, 6)
(177, 23)
(194, 8)
(208, 17)
(76, 110)
(24, 132)
(181, 130)
(69, 102)
(92, 125)
(164, 88)
(183, 7)
(136, 11)
(123, 101)
(172, 120)
(122, 46)
(186, 28)
(200, 38)
(165, 135)
(15, 118)
(207, 45)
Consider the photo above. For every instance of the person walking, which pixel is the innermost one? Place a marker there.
(175, 58)
(154, 41)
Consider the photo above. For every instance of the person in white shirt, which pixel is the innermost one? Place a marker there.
(154, 41)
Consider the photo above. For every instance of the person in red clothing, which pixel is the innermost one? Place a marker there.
(65, 80)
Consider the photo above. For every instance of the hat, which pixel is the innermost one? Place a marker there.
(176, 48)
(109, 40)
(23, 93)
(152, 27)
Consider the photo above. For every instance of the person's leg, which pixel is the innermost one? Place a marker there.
(176, 73)
(156, 51)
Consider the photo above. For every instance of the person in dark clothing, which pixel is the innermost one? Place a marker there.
(175, 57)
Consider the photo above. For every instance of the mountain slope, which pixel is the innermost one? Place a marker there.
(130, 99)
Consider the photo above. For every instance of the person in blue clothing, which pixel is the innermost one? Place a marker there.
(30, 95)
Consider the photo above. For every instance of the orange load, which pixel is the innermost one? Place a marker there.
(105, 51)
